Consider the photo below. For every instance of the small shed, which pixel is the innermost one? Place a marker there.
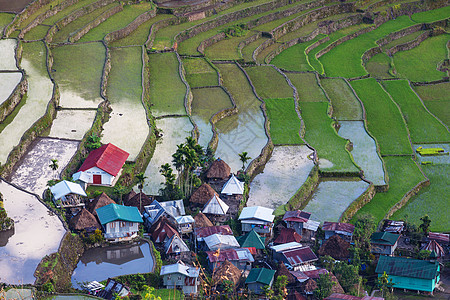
(68, 194)
(202, 221)
(215, 206)
(219, 170)
(233, 187)
(344, 230)
(384, 243)
(202, 195)
(84, 220)
(257, 278)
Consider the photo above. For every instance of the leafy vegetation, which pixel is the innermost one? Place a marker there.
(284, 122)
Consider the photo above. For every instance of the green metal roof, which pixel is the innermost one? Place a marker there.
(252, 239)
(407, 267)
(114, 212)
(261, 275)
(384, 238)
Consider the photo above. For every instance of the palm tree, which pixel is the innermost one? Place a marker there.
(119, 190)
(54, 166)
(244, 158)
(141, 179)
(179, 161)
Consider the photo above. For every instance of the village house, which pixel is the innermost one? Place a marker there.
(120, 223)
(239, 257)
(336, 247)
(138, 200)
(393, 226)
(103, 166)
(218, 171)
(302, 224)
(185, 224)
(287, 235)
(227, 272)
(219, 241)
(68, 194)
(169, 209)
(202, 195)
(203, 232)
(202, 221)
(175, 247)
(257, 278)
(410, 274)
(344, 230)
(384, 243)
(233, 187)
(252, 240)
(84, 221)
(180, 276)
(162, 231)
(216, 209)
(99, 201)
(296, 257)
(257, 218)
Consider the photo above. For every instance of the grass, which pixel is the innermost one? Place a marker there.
(403, 176)
(169, 294)
(379, 66)
(63, 34)
(37, 33)
(284, 122)
(200, 73)
(5, 19)
(167, 91)
(429, 200)
(227, 49)
(384, 120)
(81, 73)
(67, 11)
(419, 64)
(322, 136)
(307, 87)
(436, 99)
(117, 21)
(41, 10)
(140, 35)
(423, 127)
(269, 83)
(345, 104)
(247, 51)
(345, 59)
(431, 15)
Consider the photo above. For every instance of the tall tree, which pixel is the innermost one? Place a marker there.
(141, 180)
(347, 275)
(119, 190)
(364, 227)
(54, 166)
(425, 226)
(244, 158)
(384, 283)
(324, 286)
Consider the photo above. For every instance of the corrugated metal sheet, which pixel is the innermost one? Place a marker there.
(407, 267)
(115, 212)
(242, 254)
(439, 237)
(66, 187)
(207, 231)
(108, 157)
(233, 186)
(296, 216)
(215, 206)
(299, 256)
(336, 226)
(257, 212)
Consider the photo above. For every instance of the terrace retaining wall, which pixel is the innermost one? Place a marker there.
(100, 19)
(302, 196)
(356, 205)
(409, 45)
(127, 30)
(162, 24)
(28, 11)
(14, 99)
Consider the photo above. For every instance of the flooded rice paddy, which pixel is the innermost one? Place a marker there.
(8, 54)
(283, 175)
(243, 131)
(67, 124)
(364, 150)
(40, 89)
(102, 263)
(175, 131)
(128, 117)
(37, 233)
(33, 171)
(8, 82)
(332, 197)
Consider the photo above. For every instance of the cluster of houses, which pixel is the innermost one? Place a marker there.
(253, 259)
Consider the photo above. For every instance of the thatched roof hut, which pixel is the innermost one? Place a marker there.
(282, 270)
(219, 170)
(335, 247)
(139, 200)
(337, 288)
(203, 194)
(227, 271)
(84, 220)
(202, 221)
(309, 286)
(99, 201)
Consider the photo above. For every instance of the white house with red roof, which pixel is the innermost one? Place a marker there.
(103, 166)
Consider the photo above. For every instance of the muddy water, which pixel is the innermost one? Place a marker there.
(67, 124)
(128, 117)
(37, 233)
(364, 150)
(175, 131)
(283, 175)
(245, 130)
(33, 172)
(40, 90)
(8, 82)
(102, 263)
(332, 197)
(8, 54)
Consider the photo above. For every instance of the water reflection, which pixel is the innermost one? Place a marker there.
(100, 263)
(4, 236)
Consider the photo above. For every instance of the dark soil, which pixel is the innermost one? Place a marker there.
(15, 6)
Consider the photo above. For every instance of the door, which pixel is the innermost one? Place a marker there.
(97, 179)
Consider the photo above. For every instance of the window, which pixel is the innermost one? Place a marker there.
(123, 224)
(179, 278)
(112, 225)
(169, 277)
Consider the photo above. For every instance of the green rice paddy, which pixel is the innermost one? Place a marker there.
(307, 87)
(37, 33)
(5, 19)
(284, 122)
(419, 64)
(39, 11)
(345, 104)
(384, 119)
(380, 66)
(247, 51)
(117, 21)
(269, 83)
(321, 135)
(67, 11)
(431, 15)
(200, 73)
(167, 91)
(402, 40)
(423, 127)
(436, 99)
(261, 57)
(227, 49)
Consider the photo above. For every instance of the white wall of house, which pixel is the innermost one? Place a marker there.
(107, 179)
(121, 230)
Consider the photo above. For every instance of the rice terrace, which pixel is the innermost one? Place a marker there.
(331, 106)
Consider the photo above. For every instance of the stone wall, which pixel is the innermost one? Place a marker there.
(100, 19)
(28, 11)
(210, 41)
(123, 32)
(14, 99)
(302, 196)
(159, 25)
(409, 45)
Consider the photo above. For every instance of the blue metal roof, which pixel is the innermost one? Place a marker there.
(115, 212)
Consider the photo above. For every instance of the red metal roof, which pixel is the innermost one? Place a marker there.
(296, 216)
(108, 158)
(300, 276)
(439, 237)
(207, 231)
(298, 256)
(335, 226)
(314, 274)
(287, 235)
(227, 254)
(434, 246)
(165, 230)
